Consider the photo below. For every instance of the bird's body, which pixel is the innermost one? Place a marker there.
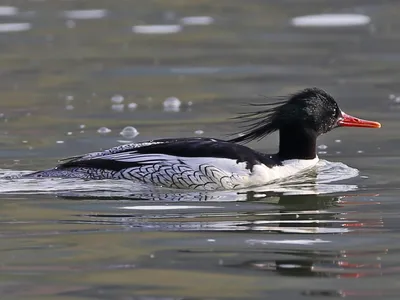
(212, 164)
(187, 163)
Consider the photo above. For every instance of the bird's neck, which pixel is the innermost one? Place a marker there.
(296, 142)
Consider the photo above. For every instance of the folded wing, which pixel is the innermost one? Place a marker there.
(201, 163)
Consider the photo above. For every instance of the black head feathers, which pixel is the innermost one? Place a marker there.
(312, 109)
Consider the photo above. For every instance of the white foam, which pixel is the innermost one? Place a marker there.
(14, 27)
(8, 10)
(301, 229)
(165, 207)
(156, 29)
(290, 242)
(263, 174)
(197, 20)
(86, 14)
(334, 171)
(331, 20)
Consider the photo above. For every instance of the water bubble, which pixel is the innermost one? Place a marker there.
(156, 29)
(331, 20)
(199, 132)
(117, 99)
(24, 142)
(322, 152)
(118, 107)
(364, 177)
(372, 28)
(85, 14)
(397, 100)
(59, 142)
(197, 20)
(132, 106)
(190, 103)
(392, 96)
(129, 132)
(82, 126)
(49, 38)
(338, 141)
(69, 107)
(211, 240)
(69, 133)
(172, 104)
(360, 151)
(14, 27)
(8, 10)
(69, 98)
(70, 24)
(169, 15)
(103, 130)
(322, 147)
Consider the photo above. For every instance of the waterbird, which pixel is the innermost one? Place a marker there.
(216, 164)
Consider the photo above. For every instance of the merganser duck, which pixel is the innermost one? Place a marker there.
(214, 164)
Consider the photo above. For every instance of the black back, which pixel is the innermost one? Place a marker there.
(181, 147)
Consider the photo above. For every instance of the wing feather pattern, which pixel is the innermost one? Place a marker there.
(194, 163)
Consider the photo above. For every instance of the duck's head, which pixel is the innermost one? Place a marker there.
(303, 116)
(315, 109)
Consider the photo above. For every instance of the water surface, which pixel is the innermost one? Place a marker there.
(75, 73)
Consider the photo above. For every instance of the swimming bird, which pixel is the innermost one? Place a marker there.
(215, 164)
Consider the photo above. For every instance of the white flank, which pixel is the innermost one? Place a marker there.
(240, 176)
(262, 174)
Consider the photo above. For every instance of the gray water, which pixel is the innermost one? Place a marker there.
(333, 233)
